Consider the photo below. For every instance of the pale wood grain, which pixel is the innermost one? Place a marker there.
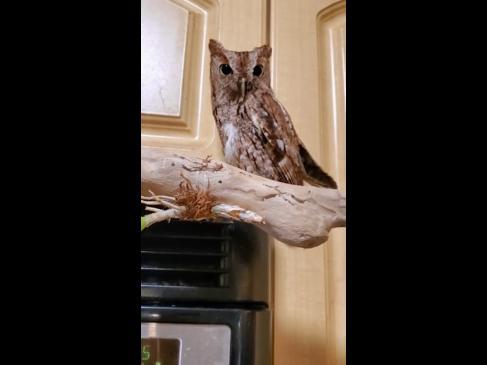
(309, 285)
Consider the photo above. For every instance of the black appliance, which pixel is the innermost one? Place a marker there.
(205, 291)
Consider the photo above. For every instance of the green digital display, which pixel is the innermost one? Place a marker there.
(160, 351)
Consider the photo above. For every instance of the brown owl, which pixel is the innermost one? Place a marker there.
(256, 131)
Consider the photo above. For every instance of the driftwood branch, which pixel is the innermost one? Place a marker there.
(296, 215)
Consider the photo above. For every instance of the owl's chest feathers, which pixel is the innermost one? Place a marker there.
(230, 137)
(236, 139)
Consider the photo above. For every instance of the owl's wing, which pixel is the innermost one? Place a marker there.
(291, 157)
(314, 173)
(276, 138)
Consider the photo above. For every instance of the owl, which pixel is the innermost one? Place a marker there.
(256, 131)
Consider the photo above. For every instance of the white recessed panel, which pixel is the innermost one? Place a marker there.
(163, 38)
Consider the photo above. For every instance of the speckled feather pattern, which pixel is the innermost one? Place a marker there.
(256, 131)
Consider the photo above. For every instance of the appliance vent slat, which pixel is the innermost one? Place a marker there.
(171, 256)
(182, 269)
(188, 253)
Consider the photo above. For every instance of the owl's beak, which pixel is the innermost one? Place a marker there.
(243, 86)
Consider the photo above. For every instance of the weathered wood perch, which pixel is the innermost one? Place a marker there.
(296, 215)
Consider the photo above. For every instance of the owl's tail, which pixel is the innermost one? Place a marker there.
(314, 174)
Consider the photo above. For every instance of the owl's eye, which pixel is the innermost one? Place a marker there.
(225, 69)
(258, 70)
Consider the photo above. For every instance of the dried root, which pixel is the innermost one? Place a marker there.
(193, 203)
(197, 201)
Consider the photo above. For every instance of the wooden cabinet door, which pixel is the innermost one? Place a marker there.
(308, 38)
(308, 76)
(176, 106)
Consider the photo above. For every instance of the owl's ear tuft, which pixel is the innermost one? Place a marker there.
(215, 46)
(264, 51)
